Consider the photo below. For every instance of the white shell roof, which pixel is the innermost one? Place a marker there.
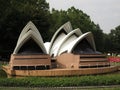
(56, 39)
(67, 42)
(47, 46)
(64, 40)
(30, 31)
(88, 36)
(68, 39)
(29, 26)
(67, 27)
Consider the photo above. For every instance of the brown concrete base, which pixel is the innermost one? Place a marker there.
(58, 72)
(28, 60)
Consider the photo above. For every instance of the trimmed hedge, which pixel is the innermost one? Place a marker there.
(97, 80)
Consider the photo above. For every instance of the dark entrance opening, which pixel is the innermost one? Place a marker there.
(30, 47)
(83, 47)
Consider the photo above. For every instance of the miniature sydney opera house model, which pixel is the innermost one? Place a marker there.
(70, 52)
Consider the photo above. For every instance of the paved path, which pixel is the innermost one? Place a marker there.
(59, 88)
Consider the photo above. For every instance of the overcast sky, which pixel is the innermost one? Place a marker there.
(106, 13)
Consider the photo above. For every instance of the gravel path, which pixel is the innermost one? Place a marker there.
(62, 88)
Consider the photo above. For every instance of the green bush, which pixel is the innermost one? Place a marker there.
(3, 74)
(96, 80)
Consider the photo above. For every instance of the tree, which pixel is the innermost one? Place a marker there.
(107, 43)
(15, 16)
(115, 39)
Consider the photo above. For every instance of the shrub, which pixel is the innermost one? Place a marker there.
(96, 80)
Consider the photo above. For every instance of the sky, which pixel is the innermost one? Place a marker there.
(106, 13)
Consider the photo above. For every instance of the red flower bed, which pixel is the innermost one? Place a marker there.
(114, 59)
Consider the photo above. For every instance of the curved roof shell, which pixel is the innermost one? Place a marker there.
(88, 36)
(29, 26)
(59, 36)
(47, 46)
(68, 39)
(64, 40)
(29, 32)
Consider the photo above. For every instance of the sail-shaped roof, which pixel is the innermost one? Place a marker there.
(68, 39)
(64, 40)
(29, 32)
(88, 37)
(59, 36)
